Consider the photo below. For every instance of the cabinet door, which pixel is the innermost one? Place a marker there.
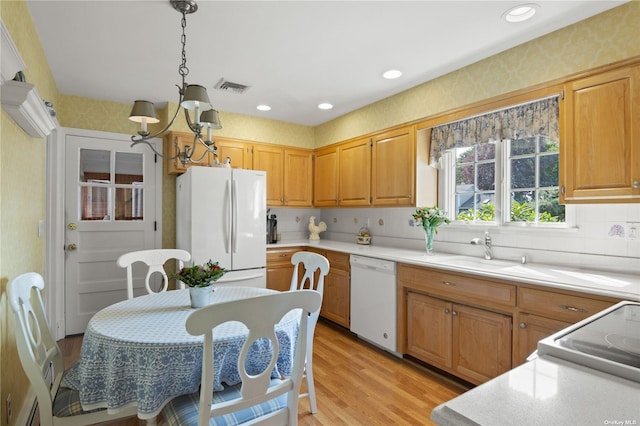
(234, 150)
(336, 300)
(271, 160)
(429, 328)
(481, 343)
(601, 153)
(280, 268)
(174, 140)
(298, 177)
(355, 173)
(325, 193)
(531, 329)
(393, 168)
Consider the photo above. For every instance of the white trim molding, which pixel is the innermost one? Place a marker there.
(23, 103)
(11, 61)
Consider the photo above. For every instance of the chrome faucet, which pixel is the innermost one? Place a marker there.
(486, 244)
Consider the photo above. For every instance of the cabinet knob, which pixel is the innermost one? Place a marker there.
(635, 184)
(454, 313)
(446, 310)
(523, 325)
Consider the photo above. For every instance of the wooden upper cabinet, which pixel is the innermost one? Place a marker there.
(600, 159)
(355, 173)
(270, 158)
(236, 151)
(393, 168)
(325, 191)
(182, 140)
(298, 177)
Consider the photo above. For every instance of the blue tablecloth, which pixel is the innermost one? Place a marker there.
(137, 352)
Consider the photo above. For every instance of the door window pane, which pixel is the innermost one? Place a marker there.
(95, 166)
(129, 204)
(129, 168)
(95, 203)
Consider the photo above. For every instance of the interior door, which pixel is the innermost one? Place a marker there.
(109, 210)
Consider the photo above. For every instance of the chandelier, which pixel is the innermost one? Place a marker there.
(192, 97)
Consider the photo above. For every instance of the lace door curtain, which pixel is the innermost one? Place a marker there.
(535, 118)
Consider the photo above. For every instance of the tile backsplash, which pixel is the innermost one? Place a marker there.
(605, 237)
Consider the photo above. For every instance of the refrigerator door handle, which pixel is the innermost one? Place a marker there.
(227, 247)
(234, 220)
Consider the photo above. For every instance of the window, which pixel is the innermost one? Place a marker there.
(503, 167)
(104, 196)
(532, 176)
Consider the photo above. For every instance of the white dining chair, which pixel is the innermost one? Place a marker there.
(313, 265)
(155, 260)
(258, 399)
(42, 360)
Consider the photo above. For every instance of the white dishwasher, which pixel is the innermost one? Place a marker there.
(373, 301)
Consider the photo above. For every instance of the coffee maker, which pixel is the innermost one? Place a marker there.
(272, 228)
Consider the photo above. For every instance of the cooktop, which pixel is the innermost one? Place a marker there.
(608, 341)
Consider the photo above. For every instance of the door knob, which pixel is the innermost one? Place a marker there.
(72, 247)
(72, 226)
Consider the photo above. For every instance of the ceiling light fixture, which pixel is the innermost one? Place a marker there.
(192, 97)
(520, 13)
(325, 105)
(392, 74)
(263, 107)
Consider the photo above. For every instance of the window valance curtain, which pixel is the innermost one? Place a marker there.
(535, 118)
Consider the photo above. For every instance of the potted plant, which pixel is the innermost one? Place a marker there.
(200, 279)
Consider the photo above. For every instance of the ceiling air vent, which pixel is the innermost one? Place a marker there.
(230, 86)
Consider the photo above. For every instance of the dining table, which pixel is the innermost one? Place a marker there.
(138, 353)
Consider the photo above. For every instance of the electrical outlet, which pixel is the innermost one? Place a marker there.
(9, 409)
(412, 223)
(632, 232)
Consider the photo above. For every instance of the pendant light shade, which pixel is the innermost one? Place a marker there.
(210, 119)
(195, 96)
(143, 111)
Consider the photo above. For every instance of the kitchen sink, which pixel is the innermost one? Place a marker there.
(474, 263)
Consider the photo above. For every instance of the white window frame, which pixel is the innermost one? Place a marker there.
(447, 191)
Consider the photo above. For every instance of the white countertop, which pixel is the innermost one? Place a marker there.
(604, 283)
(546, 391)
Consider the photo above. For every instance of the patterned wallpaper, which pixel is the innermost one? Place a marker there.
(606, 38)
(22, 198)
(602, 39)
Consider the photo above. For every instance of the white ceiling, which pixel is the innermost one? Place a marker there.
(292, 54)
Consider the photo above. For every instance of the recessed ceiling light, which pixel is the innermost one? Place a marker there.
(391, 74)
(520, 13)
(325, 105)
(263, 107)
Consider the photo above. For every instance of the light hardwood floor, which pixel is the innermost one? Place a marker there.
(356, 383)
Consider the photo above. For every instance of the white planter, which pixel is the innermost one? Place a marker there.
(200, 296)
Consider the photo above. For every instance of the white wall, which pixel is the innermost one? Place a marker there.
(589, 245)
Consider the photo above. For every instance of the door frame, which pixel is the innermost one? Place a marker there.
(54, 269)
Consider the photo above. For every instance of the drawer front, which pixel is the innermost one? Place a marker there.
(459, 287)
(280, 255)
(559, 306)
(338, 260)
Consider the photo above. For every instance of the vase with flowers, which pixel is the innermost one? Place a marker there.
(430, 218)
(200, 279)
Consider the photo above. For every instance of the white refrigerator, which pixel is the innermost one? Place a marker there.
(221, 215)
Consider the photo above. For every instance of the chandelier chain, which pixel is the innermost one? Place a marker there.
(183, 70)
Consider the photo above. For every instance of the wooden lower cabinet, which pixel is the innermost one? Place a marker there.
(280, 268)
(474, 344)
(336, 299)
(543, 312)
(531, 329)
(336, 303)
